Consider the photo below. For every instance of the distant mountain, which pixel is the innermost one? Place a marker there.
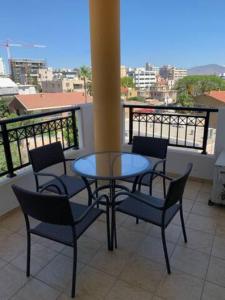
(211, 69)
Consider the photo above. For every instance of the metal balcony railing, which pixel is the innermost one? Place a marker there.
(19, 135)
(185, 127)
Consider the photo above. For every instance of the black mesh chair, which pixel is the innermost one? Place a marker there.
(47, 156)
(152, 147)
(61, 220)
(159, 212)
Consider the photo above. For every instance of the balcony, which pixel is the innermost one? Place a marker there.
(136, 270)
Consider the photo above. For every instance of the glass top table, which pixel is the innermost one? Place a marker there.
(111, 165)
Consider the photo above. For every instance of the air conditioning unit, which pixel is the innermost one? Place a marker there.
(218, 190)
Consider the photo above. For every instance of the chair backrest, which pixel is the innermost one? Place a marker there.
(149, 146)
(53, 209)
(176, 188)
(46, 156)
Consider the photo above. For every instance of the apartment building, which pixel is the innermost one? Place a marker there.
(62, 85)
(163, 93)
(45, 74)
(172, 73)
(66, 73)
(143, 79)
(26, 71)
(123, 71)
(150, 67)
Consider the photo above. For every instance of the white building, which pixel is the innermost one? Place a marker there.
(2, 68)
(222, 75)
(8, 87)
(144, 79)
(150, 67)
(26, 89)
(45, 74)
(172, 73)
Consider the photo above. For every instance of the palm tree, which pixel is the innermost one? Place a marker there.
(85, 74)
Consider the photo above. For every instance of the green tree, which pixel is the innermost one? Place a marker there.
(127, 82)
(85, 75)
(195, 85)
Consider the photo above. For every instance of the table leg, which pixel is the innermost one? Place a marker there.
(113, 216)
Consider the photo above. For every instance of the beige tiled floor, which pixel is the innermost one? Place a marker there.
(136, 271)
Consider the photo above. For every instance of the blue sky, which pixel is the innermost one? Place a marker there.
(182, 33)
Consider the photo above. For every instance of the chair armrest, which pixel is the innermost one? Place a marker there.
(152, 173)
(138, 199)
(54, 176)
(161, 161)
(45, 187)
(90, 208)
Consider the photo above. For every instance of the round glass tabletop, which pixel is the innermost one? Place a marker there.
(111, 165)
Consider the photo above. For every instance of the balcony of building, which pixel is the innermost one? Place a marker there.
(136, 270)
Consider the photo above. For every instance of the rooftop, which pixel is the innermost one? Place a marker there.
(46, 101)
(218, 95)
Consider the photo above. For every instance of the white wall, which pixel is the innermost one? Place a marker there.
(177, 159)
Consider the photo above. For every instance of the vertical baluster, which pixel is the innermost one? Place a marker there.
(195, 127)
(18, 147)
(55, 128)
(61, 125)
(170, 124)
(42, 135)
(7, 150)
(153, 127)
(146, 124)
(186, 128)
(161, 126)
(205, 135)
(74, 129)
(178, 121)
(34, 136)
(49, 133)
(139, 123)
(131, 124)
(68, 133)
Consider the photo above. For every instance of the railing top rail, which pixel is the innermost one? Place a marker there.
(36, 124)
(38, 115)
(203, 109)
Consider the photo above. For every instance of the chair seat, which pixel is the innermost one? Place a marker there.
(135, 208)
(74, 185)
(63, 234)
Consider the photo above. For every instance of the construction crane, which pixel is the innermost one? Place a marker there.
(7, 45)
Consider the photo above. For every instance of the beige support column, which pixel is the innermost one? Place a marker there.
(105, 54)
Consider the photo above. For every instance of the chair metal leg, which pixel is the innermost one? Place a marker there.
(115, 233)
(165, 250)
(74, 270)
(28, 254)
(150, 188)
(137, 221)
(150, 185)
(183, 225)
(108, 226)
(96, 186)
(112, 226)
(164, 187)
(164, 180)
